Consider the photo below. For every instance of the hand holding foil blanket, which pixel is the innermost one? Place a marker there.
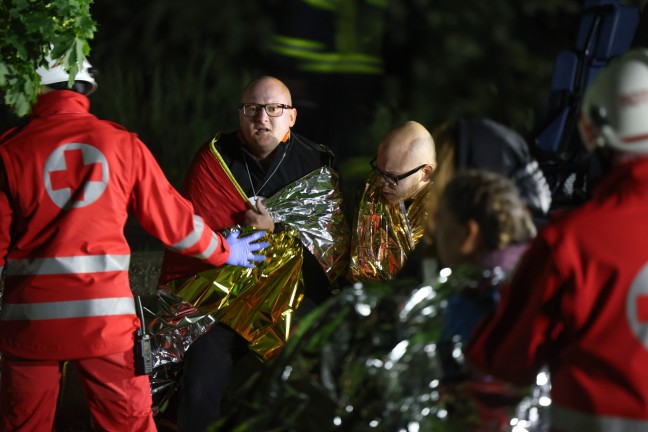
(255, 302)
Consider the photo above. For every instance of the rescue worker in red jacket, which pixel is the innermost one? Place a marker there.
(578, 303)
(67, 181)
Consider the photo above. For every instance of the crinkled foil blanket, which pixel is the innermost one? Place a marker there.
(385, 234)
(257, 303)
(367, 360)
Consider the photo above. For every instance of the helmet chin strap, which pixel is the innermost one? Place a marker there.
(606, 135)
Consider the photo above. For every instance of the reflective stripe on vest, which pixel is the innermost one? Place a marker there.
(569, 420)
(67, 309)
(67, 265)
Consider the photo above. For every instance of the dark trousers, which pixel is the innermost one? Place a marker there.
(208, 366)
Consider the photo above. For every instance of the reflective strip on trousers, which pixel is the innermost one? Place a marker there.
(67, 265)
(67, 309)
(569, 420)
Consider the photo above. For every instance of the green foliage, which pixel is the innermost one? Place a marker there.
(29, 31)
(175, 92)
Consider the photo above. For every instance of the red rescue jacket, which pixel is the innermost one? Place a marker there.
(579, 303)
(67, 181)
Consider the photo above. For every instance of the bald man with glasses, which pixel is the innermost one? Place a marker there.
(405, 162)
(236, 177)
(392, 211)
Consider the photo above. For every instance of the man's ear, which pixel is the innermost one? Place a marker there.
(473, 239)
(428, 170)
(293, 117)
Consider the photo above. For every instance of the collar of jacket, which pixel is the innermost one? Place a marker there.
(61, 102)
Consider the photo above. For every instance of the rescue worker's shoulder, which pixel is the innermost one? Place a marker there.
(117, 130)
(114, 125)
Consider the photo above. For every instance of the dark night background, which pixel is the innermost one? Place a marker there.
(173, 71)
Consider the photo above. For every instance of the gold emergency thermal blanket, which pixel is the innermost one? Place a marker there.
(385, 234)
(257, 303)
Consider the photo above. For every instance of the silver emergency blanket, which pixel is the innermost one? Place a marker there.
(174, 325)
(313, 207)
(367, 360)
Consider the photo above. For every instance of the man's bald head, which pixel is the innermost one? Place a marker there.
(409, 142)
(270, 82)
(406, 148)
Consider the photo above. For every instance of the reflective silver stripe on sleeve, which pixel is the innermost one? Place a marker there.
(569, 420)
(67, 265)
(67, 309)
(213, 244)
(193, 237)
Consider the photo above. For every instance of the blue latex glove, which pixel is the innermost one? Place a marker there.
(242, 248)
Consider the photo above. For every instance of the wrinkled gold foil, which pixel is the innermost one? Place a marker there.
(384, 234)
(258, 302)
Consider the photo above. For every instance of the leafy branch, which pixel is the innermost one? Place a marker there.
(31, 31)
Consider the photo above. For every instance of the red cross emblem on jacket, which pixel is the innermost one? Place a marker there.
(75, 175)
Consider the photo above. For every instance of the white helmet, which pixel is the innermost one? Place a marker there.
(56, 73)
(615, 107)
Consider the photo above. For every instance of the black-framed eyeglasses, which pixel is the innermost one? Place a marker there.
(393, 179)
(273, 109)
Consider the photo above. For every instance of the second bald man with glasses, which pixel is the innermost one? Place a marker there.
(393, 208)
(392, 179)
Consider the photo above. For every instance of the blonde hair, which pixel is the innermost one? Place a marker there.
(493, 201)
